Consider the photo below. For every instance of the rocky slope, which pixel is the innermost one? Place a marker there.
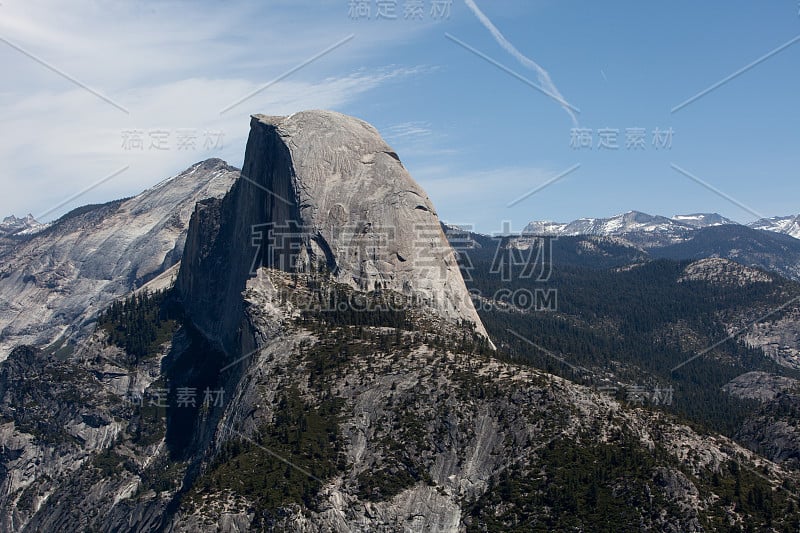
(723, 272)
(772, 427)
(53, 282)
(760, 386)
(354, 428)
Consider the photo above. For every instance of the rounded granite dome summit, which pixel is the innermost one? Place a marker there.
(364, 213)
(323, 187)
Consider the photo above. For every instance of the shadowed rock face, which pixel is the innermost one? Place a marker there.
(318, 190)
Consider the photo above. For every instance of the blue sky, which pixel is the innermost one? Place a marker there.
(474, 136)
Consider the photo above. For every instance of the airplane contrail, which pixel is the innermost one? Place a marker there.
(544, 77)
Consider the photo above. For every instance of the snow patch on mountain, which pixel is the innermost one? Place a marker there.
(632, 221)
(703, 220)
(788, 225)
(662, 230)
(27, 225)
(640, 228)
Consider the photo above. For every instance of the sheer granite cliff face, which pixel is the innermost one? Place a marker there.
(319, 190)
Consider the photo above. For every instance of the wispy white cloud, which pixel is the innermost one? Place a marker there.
(542, 75)
(419, 141)
(75, 141)
(408, 129)
(173, 65)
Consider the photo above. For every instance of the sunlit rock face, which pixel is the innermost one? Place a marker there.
(53, 282)
(319, 190)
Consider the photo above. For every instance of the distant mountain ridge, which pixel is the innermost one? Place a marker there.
(54, 280)
(12, 225)
(627, 222)
(654, 230)
(637, 238)
(788, 225)
(773, 251)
